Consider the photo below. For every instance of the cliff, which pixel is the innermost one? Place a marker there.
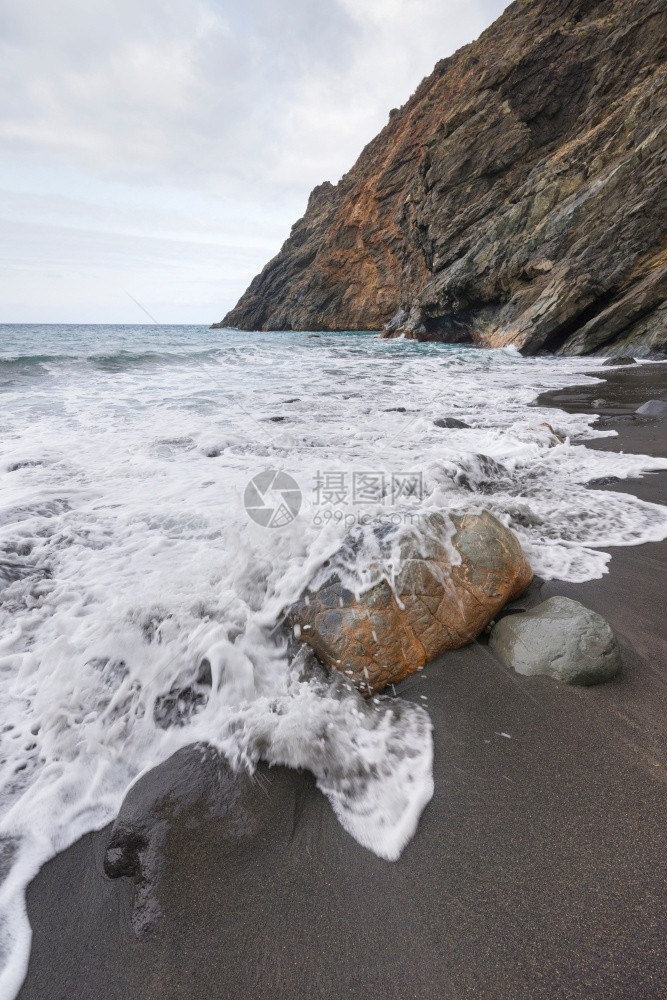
(517, 198)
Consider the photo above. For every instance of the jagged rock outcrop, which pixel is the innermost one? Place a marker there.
(517, 198)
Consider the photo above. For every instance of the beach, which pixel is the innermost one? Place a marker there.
(537, 869)
(332, 600)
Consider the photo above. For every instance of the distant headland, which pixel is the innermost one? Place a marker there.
(515, 199)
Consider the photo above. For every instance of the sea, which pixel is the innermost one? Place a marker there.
(167, 492)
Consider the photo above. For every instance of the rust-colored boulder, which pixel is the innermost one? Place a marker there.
(453, 578)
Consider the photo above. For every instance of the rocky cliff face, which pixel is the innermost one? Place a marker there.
(517, 198)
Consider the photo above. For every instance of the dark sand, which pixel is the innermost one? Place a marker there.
(538, 870)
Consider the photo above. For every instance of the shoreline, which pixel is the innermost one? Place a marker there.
(534, 870)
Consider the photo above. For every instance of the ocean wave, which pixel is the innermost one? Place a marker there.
(141, 600)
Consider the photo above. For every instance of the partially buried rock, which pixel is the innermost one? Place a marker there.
(196, 782)
(622, 361)
(451, 579)
(653, 408)
(450, 422)
(560, 639)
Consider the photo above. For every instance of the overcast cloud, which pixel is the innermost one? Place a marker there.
(165, 147)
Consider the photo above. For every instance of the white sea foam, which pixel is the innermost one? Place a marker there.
(139, 602)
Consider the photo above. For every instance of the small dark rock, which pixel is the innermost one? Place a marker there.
(596, 484)
(624, 359)
(450, 422)
(183, 700)
(27, 464)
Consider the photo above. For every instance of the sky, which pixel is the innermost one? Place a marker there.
(160, 150)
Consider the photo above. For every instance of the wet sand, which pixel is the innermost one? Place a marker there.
(538, 870)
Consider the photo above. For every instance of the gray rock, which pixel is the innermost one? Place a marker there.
(653, 408)
(622, 361)
(560, 639)
(450, 422)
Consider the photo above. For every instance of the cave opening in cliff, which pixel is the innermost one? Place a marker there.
(561, 333)
(450, 329)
